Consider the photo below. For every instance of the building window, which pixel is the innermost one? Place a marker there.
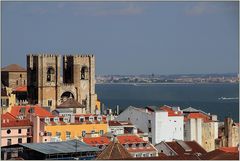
(50, 74)
(101, 132)
(3, 102)
(150, 140)
(81, 119)
(19, 131)
(9, 141)
(149, 121)
(93, 132)
(149, 129)
(8, 131)
(91, 118)
(28, 140)
(16, 82)
(19, 140)
(20, 75)
(138, 155)
(24, 82)
(28, 130)
(84, 73)
(58, 134)
(83, 133)
(68, 135)
(49, 102)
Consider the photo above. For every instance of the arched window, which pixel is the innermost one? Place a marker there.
(50, 74)
(84, 72)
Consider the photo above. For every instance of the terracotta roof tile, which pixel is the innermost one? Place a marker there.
(125, 139)
(94, 141)
(164, 157)
(195, 147)
(41, 112)
(226, 153)
(229, 149)
(20, 89)
(205, 118)
(8, 116)
(170, 111)
(15, 123)
(14, 68)
(114, 123)
(114, 151)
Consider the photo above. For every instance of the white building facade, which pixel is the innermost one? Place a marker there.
(156, 122)
(200, 127)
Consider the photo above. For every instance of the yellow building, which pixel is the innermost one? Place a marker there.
(61, 128)
(98, 105)
(8, 99)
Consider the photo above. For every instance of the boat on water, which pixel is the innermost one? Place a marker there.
(228, 98)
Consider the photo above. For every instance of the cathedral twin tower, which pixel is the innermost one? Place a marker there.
(47, 87)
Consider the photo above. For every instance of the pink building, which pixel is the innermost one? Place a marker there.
(14, 131)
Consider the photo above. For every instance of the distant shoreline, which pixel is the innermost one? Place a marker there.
(162, 83)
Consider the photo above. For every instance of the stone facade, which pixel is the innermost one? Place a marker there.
(14, 79)
(8, 99)
(209, 134)
(47, 88)
(228, 134)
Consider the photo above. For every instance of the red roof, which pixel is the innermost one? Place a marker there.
(229, 149)
(126, 139)
(39, 111)
(205, 118)
(94, 141)
(14, 68)
(170, 111)
(114, 123)
(193, 145)
(7, 116)
(15, 123)
(224, 153)
(21, 89)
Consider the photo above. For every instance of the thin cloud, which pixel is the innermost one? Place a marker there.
(129, 10)
(96, 10)
(209, 8)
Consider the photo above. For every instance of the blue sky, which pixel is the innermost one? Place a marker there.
(126, 37)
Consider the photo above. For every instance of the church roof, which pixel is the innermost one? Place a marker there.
(71, 103)
(14, 68)
(114, 151)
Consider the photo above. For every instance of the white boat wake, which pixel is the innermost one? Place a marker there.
(228, 98)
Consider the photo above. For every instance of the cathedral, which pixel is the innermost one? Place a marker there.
(52, 86)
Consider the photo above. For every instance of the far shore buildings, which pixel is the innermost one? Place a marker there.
(161, 123)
